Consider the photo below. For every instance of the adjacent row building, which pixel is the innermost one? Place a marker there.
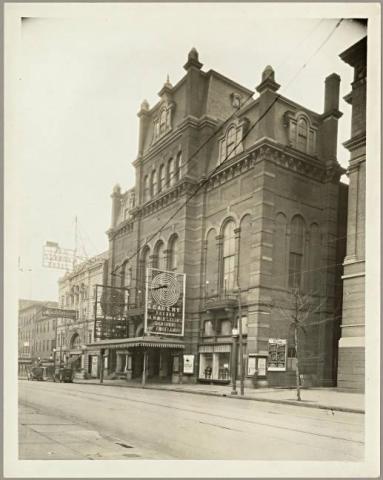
(36, 334)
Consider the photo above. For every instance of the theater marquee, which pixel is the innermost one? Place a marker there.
(165, 302)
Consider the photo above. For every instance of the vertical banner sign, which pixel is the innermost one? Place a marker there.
(164, 303)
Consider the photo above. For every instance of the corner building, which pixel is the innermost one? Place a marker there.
(248, 215)
(351, 369)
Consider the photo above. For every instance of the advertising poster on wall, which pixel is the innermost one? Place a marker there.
(188, 364)
(165, 303)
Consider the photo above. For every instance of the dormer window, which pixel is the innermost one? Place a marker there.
(302, 135)
(231, 143)
(162, 123)
(301, 132)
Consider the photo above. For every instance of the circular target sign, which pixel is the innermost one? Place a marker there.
(165, 289)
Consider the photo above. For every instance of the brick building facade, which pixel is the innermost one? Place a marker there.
(352, 343)
(36, 334)
(249, 215)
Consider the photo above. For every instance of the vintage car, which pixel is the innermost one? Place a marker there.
(37, 373)
(63, 374)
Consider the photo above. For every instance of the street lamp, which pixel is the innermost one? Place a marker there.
(54, 357)
(234, 362)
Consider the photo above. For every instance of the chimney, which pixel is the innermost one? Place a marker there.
(330, 118)
(331, 96)
(267, 90)
(116, 204)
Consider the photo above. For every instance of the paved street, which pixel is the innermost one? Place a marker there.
(106, 422)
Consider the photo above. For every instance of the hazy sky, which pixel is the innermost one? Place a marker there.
(80, 84)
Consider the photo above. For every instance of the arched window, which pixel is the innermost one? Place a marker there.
(173, 253)
(154, 183)
(231, 143)
(296, 252)
(161, 184)
(228, 270)
(160, 256)
(208, 329)
(171, 173)
(302, 135)
(178, 166)
(145, 262)
(125, 275)
(146, 188)
(76, 341)
(163, 121)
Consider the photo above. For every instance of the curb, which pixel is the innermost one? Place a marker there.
(294, 403)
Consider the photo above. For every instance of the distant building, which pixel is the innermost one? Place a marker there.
(36, 334)
(77, 291)
(248, 216)
(351, 369)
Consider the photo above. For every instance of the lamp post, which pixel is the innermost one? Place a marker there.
(234, 362)
(54, 358)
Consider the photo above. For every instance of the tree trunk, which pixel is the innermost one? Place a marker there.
(297, 364)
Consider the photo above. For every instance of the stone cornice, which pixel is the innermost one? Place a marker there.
(161, 201)
(355, 142)
(296, 162)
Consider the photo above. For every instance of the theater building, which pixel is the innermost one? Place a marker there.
(242, 194)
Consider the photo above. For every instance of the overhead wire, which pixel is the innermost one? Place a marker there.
(228, 155)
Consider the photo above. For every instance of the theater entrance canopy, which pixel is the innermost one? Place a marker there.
(147, 357)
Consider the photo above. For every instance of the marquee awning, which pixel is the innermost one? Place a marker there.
(137, 342)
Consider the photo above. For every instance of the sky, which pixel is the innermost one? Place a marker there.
(81, 80)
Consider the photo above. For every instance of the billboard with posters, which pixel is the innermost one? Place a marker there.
(164, 303)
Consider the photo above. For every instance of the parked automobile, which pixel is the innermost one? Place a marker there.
(63, 374)
(37, 373)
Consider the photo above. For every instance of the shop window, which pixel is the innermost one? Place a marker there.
(215, 366)
(206, 365)
(277, 354)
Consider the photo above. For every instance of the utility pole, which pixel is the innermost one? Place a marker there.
(241, 369)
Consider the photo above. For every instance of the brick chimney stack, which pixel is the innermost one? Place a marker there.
(116, 204)
(330, 118)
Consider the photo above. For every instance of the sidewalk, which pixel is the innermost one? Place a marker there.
(324, 398)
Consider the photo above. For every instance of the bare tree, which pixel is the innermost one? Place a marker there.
(298, 312)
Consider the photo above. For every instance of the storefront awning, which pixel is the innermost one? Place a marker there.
(136, 342)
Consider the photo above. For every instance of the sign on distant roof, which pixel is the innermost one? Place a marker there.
(56, 257)
(59, 312)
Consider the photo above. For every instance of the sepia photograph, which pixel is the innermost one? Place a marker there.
(192, 245)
